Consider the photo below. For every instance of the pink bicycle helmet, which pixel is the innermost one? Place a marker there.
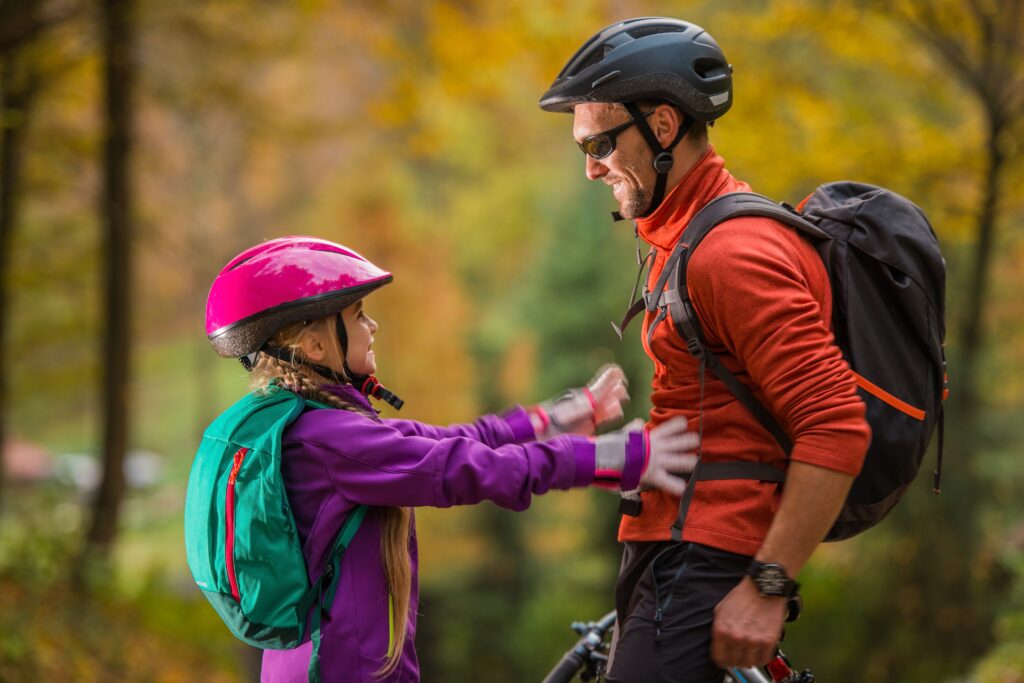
(280, 282)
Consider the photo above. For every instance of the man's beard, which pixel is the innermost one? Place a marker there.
(638, 197)
(635, 204)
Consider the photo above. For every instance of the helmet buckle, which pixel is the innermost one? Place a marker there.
(663, 162)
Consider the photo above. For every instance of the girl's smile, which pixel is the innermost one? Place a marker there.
(359, 328)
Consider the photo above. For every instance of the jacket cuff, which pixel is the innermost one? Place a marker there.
(636, 461)
(585, 456)
(518, 420)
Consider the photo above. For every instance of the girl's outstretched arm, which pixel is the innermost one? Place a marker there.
(511, 426)
(371, 462)
(375, 463)
(575, 411)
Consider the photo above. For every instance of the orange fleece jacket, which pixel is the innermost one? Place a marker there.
(763, 297)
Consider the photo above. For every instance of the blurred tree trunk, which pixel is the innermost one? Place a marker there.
(117, 32)
(22, 21)
(951, 585)
(982, 46)
(18, 86)
(11, 111)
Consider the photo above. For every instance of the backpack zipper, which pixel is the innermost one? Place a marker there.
(229, 523)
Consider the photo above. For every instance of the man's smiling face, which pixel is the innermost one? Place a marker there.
(627, 170)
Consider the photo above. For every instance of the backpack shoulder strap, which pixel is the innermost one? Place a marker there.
(676, 300)
(736, 204)
(321, 594)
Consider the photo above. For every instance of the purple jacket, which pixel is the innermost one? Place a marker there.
(333, 460)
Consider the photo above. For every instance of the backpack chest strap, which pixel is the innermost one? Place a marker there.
(723, 471)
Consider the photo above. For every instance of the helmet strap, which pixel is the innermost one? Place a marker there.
(287, 357)
(342, 334)
(371, 386)
(662, 155)
(367, 384)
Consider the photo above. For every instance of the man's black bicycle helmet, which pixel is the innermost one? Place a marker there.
(648, 58)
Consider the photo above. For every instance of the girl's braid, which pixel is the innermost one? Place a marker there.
(294, 379)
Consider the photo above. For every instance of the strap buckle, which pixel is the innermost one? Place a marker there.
(630, 506)
(695, 348)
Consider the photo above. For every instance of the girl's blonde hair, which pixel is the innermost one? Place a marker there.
(395, 522)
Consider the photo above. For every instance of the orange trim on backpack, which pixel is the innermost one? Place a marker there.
(883, 395)
(801, 205)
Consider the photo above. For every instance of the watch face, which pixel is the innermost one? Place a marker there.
(771, 580)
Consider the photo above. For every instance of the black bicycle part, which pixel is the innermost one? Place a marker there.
(588, 656)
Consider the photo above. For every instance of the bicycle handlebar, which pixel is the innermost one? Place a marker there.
(567, 668)
(588, 653)
(592, 636)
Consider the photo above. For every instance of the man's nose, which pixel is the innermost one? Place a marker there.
(595, 169)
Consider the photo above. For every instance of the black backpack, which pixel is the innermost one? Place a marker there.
(888, 289)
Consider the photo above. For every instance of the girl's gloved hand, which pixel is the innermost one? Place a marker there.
(583, 410)
(629, 457)
(672, 452)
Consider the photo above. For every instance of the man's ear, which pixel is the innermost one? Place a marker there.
(666, 123)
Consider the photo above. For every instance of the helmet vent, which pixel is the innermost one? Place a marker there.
(708, 68)
(653, 30)
(660, 59)
(595, 57)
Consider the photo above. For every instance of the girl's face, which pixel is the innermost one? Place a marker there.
(360, 329)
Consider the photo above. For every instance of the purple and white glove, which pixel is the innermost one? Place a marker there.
(632, 457)
(582, 410)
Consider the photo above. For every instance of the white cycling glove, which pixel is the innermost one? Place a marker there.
(584, 409)
(631, 457)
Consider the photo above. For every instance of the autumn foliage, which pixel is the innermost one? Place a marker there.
(410, 131)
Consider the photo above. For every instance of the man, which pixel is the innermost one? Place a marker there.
(643, 93)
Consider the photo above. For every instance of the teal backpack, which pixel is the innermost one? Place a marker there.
(240, 538)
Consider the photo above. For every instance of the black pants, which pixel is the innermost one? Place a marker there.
(665, 599)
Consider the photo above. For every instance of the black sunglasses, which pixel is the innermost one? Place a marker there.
(600, 145)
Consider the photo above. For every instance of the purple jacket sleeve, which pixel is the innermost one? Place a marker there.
(376, 463)
(512, 426)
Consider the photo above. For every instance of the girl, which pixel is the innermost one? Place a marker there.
(292, 310)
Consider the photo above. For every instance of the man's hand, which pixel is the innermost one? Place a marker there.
(747, 627)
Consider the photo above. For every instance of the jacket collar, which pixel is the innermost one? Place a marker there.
(349, 393)
(702, 183)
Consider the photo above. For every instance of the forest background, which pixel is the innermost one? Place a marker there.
(144, 143)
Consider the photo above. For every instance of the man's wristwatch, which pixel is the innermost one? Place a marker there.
(771, 580)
